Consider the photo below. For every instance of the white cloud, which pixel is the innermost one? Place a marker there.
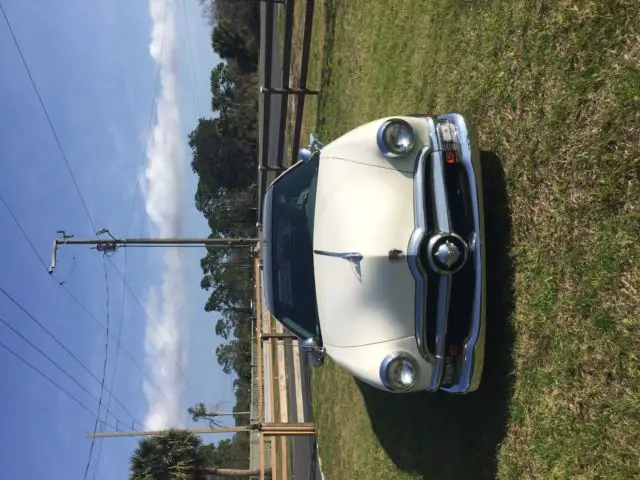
(165, 176)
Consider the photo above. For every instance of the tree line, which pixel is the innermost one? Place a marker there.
(224, 150)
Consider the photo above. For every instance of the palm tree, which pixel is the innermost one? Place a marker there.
(173, 455)
(176, 455)
(200, 412)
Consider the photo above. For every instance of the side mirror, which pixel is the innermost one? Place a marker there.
(310, 346)
(305, 155)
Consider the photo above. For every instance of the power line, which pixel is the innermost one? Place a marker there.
(48, 117)
(48, 379)
(153, 110)
(55, 339)
(52, 361)
(120, 322)
(104, 368)
(196, 98)
(118, 343)
(78, 301)
(23, 231)
(115, 369)
(154, 106)
(88, 213)
(47, 331)
(15, 393)
(152, 322)
(154, 101)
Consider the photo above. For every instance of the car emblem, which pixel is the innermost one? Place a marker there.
(447, 253)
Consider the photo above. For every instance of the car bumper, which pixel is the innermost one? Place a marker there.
(450, 298)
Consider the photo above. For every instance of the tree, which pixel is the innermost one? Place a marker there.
(222, 156)
(224, 153)
(222, 88)
(178, 455)
(233, 40)
(200, 412)
(173, 455)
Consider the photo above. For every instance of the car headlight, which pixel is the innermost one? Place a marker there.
(395, 137)
(398, 372)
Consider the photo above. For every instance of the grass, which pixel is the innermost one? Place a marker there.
(554, 88)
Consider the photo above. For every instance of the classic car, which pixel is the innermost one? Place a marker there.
(373, 253)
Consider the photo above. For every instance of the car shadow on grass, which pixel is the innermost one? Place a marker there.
(445, 436)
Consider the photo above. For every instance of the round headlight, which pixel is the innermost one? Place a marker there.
(395, 137)
(398, 372)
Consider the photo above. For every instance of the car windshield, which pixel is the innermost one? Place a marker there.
(293, 288)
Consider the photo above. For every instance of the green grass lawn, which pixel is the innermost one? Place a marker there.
(554, 88)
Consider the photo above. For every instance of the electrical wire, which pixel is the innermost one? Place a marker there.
(82, 200)
(48, 379)
(48, 117)
(23, 231)
(129, 355)
(56, 340)
(165, 245)
(54, 363)
(77, 301)
(17, 393)
(154, 106)
(135, 198)
(104, 370)
(154, 101)
(115, 369)
(194, 82)
(47, 331)
(94, 228)
(151, 322)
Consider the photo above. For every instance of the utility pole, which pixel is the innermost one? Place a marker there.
(268, 429)
(111, 244)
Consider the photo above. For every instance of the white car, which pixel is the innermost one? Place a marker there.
(373, 253)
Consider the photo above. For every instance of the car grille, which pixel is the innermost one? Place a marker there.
(463, 281)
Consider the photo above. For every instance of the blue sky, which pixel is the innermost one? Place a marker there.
(92, 64)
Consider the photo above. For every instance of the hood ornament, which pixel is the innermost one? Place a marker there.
(353, 256)
(354, 259)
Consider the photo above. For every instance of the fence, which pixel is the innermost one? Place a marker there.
(275, 89)
(254, 436)
(275, 92)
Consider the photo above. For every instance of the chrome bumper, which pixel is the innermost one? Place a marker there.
(460, 373)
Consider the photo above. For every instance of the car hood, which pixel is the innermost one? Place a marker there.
(359, 146)
(364, 361)
(362, 212)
